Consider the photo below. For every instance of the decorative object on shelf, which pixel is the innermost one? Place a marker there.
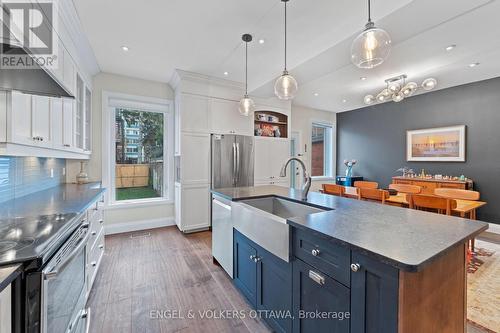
(247, 105)
(372, 47)
(82, 177)
(349, 164)
(444, 144)
(270, 124)
(397, 90)
(406, 171)
(286, 86)
(261, 116)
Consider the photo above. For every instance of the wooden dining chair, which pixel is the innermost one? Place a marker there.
(432, 203)
(455, 193)
(373, 194)
(333, 189)
(406, 188)
(365, 184)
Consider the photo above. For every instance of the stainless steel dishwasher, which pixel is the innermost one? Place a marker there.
(222, 233)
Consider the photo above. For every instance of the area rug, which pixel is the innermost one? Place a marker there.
(483, 287)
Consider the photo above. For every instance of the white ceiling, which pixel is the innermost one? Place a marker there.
(205, 37)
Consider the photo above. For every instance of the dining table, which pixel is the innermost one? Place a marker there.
(464, 207)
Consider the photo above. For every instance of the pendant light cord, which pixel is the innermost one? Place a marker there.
(285, 36)
(369, 11)
(246, 68)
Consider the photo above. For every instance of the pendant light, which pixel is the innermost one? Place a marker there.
(372, 47)
(286, 86)
(247, 105)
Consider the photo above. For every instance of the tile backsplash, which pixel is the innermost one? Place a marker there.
(20, 176)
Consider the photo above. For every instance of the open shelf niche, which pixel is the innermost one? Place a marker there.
(265, 126)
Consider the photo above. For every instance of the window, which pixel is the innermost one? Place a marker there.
(139, 159)
(321, 150)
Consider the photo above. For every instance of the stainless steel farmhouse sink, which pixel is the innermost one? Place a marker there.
(264, 221)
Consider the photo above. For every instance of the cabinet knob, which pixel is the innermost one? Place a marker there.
(101, 221)
(315, 252)
(93, 263)
(257, 259)
(101, 246)
(66, 145)
(93, 233)
(252, 257)
(355, 267)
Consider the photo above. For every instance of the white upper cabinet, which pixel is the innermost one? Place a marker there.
(195, 159)
(69, 71)
(195, 113)
(88, 120)
(41, 124)
(56, 120)
(226, 119)
(68, 123)
(19, 113)
(270, 155)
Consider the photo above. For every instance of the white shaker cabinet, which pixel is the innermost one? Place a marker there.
(195, 158)
(69, 71)
(56, 120)
(226, 119)
(19, 112)
(5, 310)
(68, 123)
(40, 121)
(270, 155)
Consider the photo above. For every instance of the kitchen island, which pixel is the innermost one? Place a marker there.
(391, 269)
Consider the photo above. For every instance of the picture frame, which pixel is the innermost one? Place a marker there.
(441, 144)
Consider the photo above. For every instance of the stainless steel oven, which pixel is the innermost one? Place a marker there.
(56, 295)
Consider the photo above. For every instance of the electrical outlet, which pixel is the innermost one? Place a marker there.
(51, 173)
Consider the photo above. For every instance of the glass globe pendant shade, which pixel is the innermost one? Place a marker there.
(381, 97)
(247, 106)
(369, 99)
(429, 84)
(398, 97)
(286, 86)
(371, 48)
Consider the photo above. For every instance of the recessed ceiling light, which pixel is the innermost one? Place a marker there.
(474, 64)
(226, 73)
(262, 41)
(362, 78)
(316, 94)
(125, 48)
(450, 47)
(344, 101)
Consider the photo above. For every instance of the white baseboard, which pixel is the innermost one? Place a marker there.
(118, 228)
(494, 228)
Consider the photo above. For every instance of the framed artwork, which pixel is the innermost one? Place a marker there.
(443, 144)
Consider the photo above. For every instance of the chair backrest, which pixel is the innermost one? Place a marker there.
(373, 194)
(455, 193)
(333, 189)
(432, 203)
(406, 188)
(365, 184)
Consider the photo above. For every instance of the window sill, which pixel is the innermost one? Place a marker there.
(125, 204)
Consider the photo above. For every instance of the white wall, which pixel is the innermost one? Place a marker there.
(126, 85)
(302, 119)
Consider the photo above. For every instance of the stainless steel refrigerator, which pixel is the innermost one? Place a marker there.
(232, 160)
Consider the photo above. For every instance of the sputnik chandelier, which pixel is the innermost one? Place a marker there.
(397, 90)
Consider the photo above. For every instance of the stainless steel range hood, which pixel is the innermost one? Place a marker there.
(32, 81)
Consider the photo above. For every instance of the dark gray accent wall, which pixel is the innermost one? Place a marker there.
(376, 137)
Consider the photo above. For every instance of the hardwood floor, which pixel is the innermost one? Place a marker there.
(164, 270)
(167, 271)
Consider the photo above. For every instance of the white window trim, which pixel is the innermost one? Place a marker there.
(332, 156)
(111, 100)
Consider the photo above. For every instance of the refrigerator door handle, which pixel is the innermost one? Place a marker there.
(238, 160)
(235, 167)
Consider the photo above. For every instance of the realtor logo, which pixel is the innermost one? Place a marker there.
(29, 38)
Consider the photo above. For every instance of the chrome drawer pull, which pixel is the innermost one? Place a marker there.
(319, 279)
(315, 252)
(355, 267)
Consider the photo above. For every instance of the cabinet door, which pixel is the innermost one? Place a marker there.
(41, 120)
(226, 119)
(314, 293)
(262, 160)
(280, 152)
(56, 122)
(374, 296)
(195, 159)
(69, 72)
(88, 120)
(195, 212)
(5, 310)
(20, 111)
(68, 123)
(79, 112)
(245, 267)
(178, 205)
(274, 290)
(194, 113)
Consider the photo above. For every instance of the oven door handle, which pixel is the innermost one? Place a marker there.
(55, 270)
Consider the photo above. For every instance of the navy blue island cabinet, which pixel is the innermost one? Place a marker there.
(265, 280)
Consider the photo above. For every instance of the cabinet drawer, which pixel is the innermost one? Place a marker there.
(452, 185)
(326, 256)
(427, 187)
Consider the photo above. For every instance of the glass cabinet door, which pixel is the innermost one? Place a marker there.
(79, 117)
(88, 118)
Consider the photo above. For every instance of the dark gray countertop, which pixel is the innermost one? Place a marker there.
(405, 238)
(9, 274)
(63, 199)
